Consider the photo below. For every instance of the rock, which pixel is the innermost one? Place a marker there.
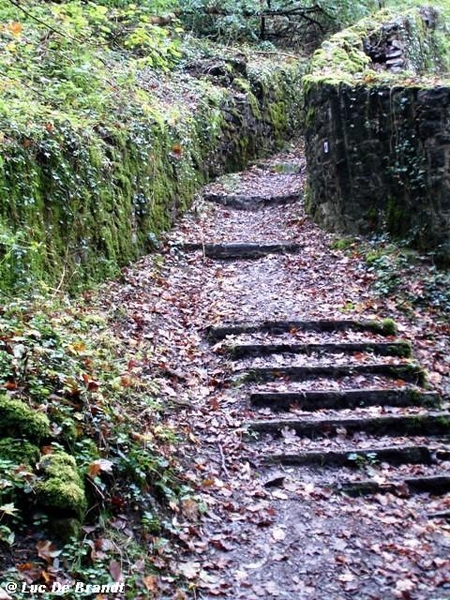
(18, 420)
(61, 490)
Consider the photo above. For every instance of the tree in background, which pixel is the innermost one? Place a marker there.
(282, 22)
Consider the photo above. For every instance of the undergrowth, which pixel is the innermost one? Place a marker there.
(101, 412)
(411, 279)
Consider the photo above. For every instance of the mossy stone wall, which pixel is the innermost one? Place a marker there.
(378, 142)
(79, 200)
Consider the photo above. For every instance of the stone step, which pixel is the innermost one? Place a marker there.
(429, 484)
(385, 327)
(311, 401)
(390, 425)
(399, 348)
(242, 250)
(248, 202)
(394, 455)
(405, 371)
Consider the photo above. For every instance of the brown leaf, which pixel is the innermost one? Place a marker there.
(97, 466)
(47, 551)
(189, 569)
(151, 583)
(115, 570)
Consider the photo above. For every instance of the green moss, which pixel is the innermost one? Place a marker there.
(61, 488)
(63, 497)
(343, 243)
(342, 58)
(242, 84)
(403, 349)
(388, 327)
(385, 327)
(416, 371)
(17, 419)
(397, 218)
(19, 452)
(444, 423)
(66, 529)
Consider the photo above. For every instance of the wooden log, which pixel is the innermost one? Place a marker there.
(398, 348)
(405, 371)
(391, 425)
(395, 455)
(247, 202)
(242, 250)
(311, 401)
(219, 332)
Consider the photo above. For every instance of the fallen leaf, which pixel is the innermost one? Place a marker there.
(190, 569)
(115, 570)
(47, 550)
(97, 466)
(404, 585)
(151, 583)
(15, 28)
(278, 534)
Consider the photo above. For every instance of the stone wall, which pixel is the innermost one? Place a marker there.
(378, 142)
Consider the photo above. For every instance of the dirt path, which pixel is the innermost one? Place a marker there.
(307, 399)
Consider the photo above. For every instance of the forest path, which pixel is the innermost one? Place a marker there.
(291, 388)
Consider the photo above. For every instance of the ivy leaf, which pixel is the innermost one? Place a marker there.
(9, 509)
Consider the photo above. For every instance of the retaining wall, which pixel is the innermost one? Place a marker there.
(378, 131)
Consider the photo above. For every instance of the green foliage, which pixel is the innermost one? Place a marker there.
(72, 111)
(63, 361)
(343, 243)
(404, 274)
(409, 278)
(20, 452)
(16, 479)
(361, 461)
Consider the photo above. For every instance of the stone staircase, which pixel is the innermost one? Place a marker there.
(366, 404)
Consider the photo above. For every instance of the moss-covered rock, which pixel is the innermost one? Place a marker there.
(60, 489)
(18, 420)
